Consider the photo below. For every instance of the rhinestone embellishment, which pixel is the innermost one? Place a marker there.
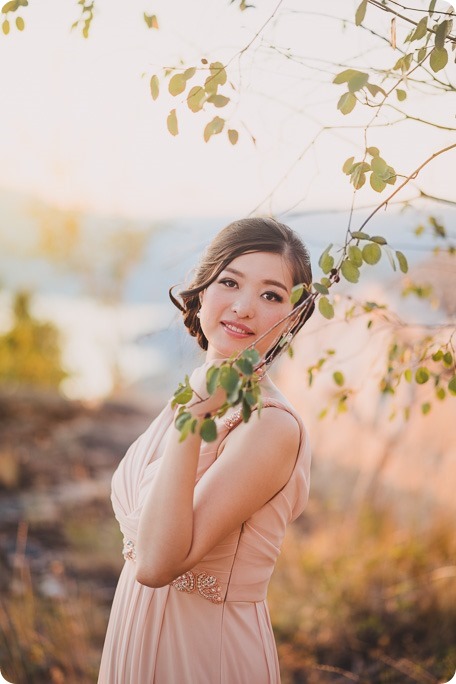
(129, 550)
(206, 585)
(233, 420)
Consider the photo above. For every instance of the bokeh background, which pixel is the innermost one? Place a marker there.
(102, 210)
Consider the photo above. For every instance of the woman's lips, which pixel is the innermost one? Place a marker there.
(236, 329)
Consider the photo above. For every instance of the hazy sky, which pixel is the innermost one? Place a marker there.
(80, 128)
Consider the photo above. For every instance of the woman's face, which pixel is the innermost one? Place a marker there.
(248, 297)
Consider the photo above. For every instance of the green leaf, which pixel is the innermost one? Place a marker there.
(360, 12)
(296, 293)
(350, 271)
(345, 76)
(375, 89)
(432, 5)
(233, 136)
(448, 359)
(358, 82)
(338, 378)
(187, 427)
(196, 98)
(422, 375)
(347, 167)
(441, 33)
(425, 408)
(440, 393)
(189, 73)
(181, 419)
(229, 379)
(10, 7)
(408, 375)
(403, 265)
(245, 366)
(20, 24)
(214, 127)
(372, 253)
(325, 307)
(379, 239)
(346, 103)
(208, 430)
(378, 165)
(377, 183)
(373, 151)
(421, 54)
(401, 94)
(218, 100)
(358, 176)
(438, 355)
(246, 410)
(438, 59)
(217, 77)
(184, 393)
(322, 289)
(420, 30)
(171, 122)
(390, 176)
(177, 84)
(6, 27)
(452, 385)
(154, 87)
(326, 260)
(251, 355)
(355, 255)
(212, 377)
(359, 235)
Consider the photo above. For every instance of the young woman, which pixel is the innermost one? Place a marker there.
(203, 522)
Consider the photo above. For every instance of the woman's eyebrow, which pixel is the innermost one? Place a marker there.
(266, 282)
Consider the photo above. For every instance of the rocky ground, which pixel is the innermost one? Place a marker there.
(58, 537)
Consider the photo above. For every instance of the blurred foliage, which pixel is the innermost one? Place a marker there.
(30, 350)
(366, 600)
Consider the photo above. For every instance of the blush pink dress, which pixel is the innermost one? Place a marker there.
(211, 625)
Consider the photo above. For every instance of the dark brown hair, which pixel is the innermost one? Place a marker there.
(240, 237)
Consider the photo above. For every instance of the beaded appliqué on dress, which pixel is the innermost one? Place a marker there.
(129, 550)
(206, 585)
(234, 419)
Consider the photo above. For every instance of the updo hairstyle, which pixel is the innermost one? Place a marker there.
(240, 237)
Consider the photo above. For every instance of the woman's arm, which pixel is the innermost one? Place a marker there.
(181, 523)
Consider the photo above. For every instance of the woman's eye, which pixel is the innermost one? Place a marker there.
(228, 282)
(273, 297)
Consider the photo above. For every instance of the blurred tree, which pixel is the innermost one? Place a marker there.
(30, 350)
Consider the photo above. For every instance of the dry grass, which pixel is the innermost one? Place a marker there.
(352, 600)
(367, 601)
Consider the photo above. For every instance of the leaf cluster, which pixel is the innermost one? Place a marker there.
(11, 7)
(199, 95)
(238, 378)
(420, 363)
(381, 173)
(85, 20)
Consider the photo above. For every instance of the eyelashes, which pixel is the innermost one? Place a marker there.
(270, 296)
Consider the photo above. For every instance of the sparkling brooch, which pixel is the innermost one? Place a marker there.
(206, 585)
(129, 550)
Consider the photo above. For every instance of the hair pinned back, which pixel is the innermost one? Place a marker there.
(240, 237)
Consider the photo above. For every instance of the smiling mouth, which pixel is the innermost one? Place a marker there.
(236, 330)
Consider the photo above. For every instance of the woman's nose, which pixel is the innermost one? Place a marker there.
(243, 307)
